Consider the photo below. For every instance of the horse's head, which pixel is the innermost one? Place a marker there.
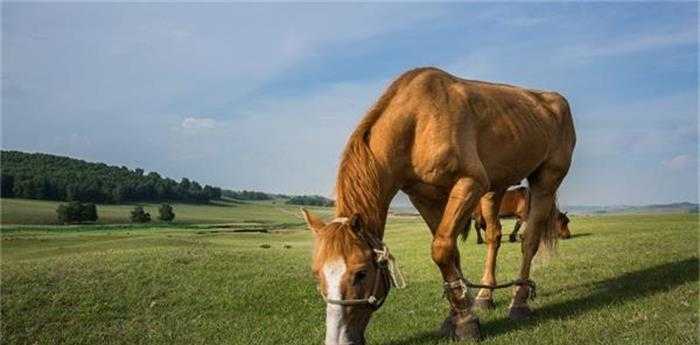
(352, 276)
(563, 221)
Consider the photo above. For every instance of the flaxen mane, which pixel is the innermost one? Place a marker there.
(358, 174)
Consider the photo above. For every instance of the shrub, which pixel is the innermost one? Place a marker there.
(166, 213)
(88, 212)
(76, 212)
(138, 215)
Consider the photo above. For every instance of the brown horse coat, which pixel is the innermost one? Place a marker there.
(516, 204)
(446, 142)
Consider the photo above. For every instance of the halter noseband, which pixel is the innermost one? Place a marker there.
(386, 271)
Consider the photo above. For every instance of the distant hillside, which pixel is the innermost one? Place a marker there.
(304, 200)
(49, 177)
(401, 206)
(679, 207)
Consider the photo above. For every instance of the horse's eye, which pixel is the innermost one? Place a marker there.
(359, 277)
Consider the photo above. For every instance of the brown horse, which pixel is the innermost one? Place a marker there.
(445, 142)
(516, 204)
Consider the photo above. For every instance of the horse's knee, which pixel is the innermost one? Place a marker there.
(493, 237)
(443, 251)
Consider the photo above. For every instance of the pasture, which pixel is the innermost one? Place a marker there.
(629, 279)
(24, 211)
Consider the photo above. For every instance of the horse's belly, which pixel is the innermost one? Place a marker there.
(509, 164)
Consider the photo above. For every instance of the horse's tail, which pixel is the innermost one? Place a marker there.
(464, 232)
(550, 234)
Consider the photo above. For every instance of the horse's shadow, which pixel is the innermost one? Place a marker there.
(582, 234)
(628, 286)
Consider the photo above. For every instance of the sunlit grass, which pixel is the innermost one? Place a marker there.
(619, 280)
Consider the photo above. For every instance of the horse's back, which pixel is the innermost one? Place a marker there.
(439, 127)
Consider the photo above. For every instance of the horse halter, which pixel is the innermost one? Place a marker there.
(386, 271)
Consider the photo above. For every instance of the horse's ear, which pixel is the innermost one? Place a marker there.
(314, 223)
(356, 223)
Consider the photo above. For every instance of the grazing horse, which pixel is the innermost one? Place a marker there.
(516, 204)
(446, 142)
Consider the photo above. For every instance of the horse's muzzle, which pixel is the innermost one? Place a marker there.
(356, 337)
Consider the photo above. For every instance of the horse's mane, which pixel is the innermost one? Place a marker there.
(358, 185)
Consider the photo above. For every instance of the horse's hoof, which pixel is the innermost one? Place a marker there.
(484, 303)
(512, 238)
(447, 328)
(519, 313)
(469, 329)
(461, 328)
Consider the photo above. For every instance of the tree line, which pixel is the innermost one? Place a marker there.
(247, 195)
(310, 200)
(50, 177)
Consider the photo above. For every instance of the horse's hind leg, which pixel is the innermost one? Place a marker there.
(513, 237)
(478, 226)
(543, 184)
(490, 205)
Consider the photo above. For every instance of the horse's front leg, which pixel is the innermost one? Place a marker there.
(465, 194)
(490, 204)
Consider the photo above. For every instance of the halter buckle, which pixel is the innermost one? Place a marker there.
(372, 300)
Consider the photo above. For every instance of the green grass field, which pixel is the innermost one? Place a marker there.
(32, 212)
(619, 280)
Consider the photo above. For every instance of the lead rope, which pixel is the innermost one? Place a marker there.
(521, 282)
(396, 277)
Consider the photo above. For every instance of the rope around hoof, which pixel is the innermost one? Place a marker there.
(520, 282)
(464, 283)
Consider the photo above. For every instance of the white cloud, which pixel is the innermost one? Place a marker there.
(680, 162)
(631, 45)
(198, 123)
(287, 144)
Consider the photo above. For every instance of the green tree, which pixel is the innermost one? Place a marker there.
(311, 200)
(88, 212)
(138, 215)
(8, 185)
(49, 177)
(166, 213)
(76, 212)
(63, 214)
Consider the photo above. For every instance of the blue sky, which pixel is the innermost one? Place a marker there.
(263, 96)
